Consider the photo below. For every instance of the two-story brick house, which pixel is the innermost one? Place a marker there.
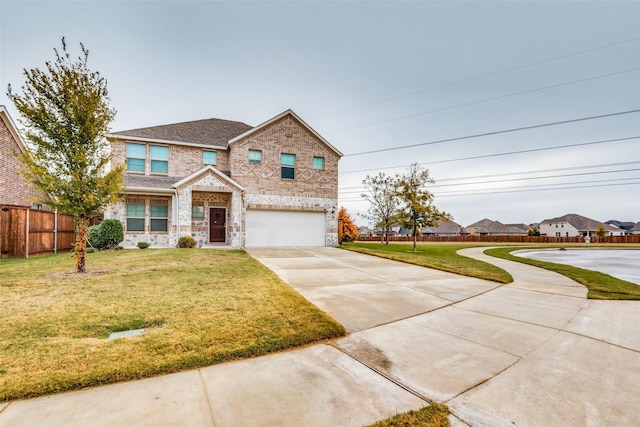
(228, 183)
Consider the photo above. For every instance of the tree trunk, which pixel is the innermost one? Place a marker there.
(415, 236)
(81, 243)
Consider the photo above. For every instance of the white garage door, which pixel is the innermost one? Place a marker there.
(285, 228)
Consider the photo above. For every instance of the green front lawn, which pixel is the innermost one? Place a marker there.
(444, 257)
(439, 256)
(199, 307)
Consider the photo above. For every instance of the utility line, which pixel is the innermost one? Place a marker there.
(542, 189)
(480, 101)
(602, 165)
(557, 184)
(509, 191)
(518, 179)
(482, 76)
(478, 135)
(507, 153)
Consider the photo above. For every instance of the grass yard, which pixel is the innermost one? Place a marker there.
(199, 307)
(600, 285)
(434, 415)
(444, 257)
(439, 256)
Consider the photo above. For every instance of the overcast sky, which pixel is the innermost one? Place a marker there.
(374, 76)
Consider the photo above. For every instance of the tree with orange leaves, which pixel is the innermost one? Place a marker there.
(349, 229)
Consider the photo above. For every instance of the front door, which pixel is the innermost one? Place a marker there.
(217, 224)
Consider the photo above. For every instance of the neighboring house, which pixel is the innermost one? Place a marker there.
(14, 188)
(488, 227)
(445, 228)
(625, 225)
(572, 225)
(636, 228)
(228, 183)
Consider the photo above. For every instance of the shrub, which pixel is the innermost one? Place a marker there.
(107, 235)
(111, 233)
(93, 236)
(186, 242)
(143, 245)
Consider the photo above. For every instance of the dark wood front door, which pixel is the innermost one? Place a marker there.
(217, 224)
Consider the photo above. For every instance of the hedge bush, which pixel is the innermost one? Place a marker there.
(186, 242)
(107, 235)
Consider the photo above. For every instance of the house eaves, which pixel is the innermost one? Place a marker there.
(163, 141)
(278, 117)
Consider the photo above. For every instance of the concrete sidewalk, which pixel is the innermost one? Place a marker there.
(534, 353)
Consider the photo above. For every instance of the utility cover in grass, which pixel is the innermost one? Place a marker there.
(125, 334)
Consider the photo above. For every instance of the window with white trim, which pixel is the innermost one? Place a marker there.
(288, 164)
(197, 212)
(135, 217)
(209, 157)
(159, 155)
(255, 156)
(318, 163)
(136, 157)
(159, 216)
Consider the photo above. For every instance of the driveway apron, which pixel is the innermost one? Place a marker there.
(531, 353)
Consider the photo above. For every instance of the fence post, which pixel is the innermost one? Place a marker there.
(26, 234)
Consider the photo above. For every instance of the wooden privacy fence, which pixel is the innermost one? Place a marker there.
(26, 232)
(632, 238)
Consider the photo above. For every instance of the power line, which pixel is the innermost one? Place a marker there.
(581, 119)
(602, 165)
(542, 189)
(507, 153)
(519, 179)
(471, 192)
(510, 191)
(482, 76)
(480, 101)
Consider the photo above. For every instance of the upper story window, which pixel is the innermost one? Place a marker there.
(318, 163)
(136, 155)
(159, 155)
(288, 163)
(209, 157)
(255, 156)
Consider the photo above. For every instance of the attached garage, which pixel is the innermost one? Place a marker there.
(285, 228)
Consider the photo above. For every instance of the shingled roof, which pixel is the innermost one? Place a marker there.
(581, 223)
(145, 182)
(210, 132)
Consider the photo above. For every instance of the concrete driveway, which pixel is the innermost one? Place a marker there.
(531, 353)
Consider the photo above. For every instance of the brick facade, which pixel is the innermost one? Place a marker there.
(236, 184)
(14, 187)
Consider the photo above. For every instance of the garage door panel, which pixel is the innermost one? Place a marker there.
(285, 228)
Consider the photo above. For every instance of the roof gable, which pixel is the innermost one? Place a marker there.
(280, 116)
(207, 132)
(13, 130)
(209, 170)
